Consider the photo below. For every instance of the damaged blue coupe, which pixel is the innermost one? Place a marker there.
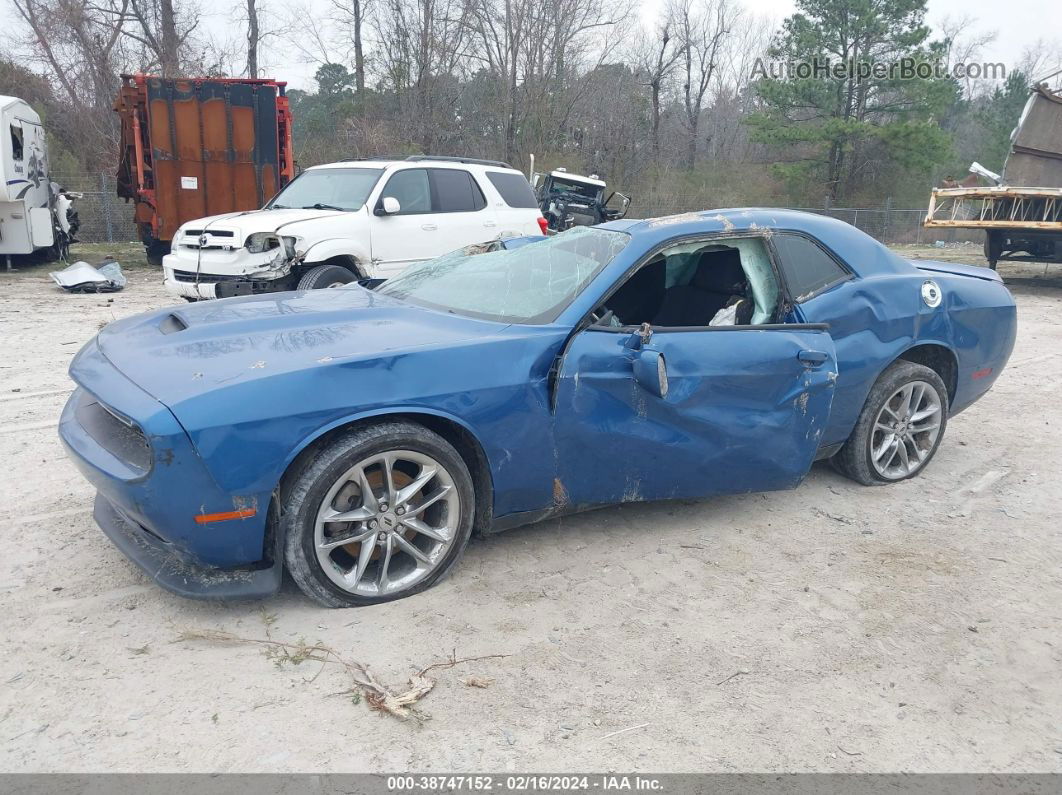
(358, 436)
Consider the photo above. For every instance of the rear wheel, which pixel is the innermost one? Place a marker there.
(380, 513)
(323, 276)
(900, 428)
(993, 248)
(155, 251)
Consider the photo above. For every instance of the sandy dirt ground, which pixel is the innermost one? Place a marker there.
(916, 627)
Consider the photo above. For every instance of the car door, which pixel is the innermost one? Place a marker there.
(743, 411)
(462, 214)
(411, 234)
(440, 210)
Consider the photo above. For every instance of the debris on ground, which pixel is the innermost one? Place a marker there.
(81, 277)
(364, 683)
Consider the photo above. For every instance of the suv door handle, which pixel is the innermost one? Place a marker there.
(489, 223)
(429, 227)
(813, 358)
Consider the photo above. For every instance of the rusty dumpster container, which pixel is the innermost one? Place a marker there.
(193, 147)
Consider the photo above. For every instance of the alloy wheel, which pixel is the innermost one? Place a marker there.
(906, 430)
(387, 523)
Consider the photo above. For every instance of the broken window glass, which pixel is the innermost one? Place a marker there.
(530, 284)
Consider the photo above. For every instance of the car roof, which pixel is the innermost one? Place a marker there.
(425, 163)
(862, 253)
(577, 178)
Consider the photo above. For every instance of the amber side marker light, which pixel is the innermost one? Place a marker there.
(206, 518)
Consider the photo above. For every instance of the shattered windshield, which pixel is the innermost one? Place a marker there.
(530, 284)
(327, 189)
(591, 192)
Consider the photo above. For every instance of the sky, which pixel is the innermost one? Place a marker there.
(1016, 23)
(1024, 22)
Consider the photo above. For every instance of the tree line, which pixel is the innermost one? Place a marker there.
(681, 106)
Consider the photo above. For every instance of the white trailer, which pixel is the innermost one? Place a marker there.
(30, 208)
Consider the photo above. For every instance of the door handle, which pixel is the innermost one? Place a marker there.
(489, 223)
(428, 227)
(813, 358)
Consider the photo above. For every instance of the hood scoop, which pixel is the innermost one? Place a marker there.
(172, 323)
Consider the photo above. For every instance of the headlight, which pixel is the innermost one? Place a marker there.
(261, 242)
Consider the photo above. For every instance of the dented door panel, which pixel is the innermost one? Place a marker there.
(742, 413)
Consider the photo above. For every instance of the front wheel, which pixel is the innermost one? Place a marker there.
(900, 428)
(323, 276)
(380, 513)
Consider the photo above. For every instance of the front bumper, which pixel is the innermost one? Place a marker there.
(175, 572)
(157, 483)
(223, 275)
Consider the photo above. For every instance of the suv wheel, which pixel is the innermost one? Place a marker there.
(325, 276)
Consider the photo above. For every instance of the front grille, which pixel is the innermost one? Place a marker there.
(213, 232)
(190, 276)
(118, 435)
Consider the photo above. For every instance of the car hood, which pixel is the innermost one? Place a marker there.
(251, 221)
(183, 352)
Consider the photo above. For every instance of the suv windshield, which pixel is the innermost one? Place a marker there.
(530, 284)
(327, 189)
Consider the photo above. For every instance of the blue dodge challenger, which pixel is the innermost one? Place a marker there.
(357, 436)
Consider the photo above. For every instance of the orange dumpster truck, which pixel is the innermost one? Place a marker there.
(197, 147)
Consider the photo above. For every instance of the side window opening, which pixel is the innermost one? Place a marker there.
(412, 190)
(17, 151)
(514, 189)
(699, 284)
(807, 268)
(456, 191)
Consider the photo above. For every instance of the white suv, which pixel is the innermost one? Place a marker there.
(351, 220)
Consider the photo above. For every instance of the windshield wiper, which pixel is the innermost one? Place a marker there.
(320, 206)
(278, 207)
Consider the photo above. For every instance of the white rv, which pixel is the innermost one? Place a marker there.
(30, 207)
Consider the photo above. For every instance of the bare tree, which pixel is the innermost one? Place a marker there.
(703, 27)
(253, 38)
(533, 50)
(658, 55)
(421, 61)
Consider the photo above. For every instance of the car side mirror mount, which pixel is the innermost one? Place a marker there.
(650, 370)
(389, 205)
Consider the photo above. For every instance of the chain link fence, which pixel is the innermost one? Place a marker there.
(107, 219)
(104, 217)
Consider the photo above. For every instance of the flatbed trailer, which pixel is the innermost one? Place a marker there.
(1022, 217)
(196, 147)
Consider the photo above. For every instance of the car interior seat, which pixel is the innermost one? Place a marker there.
(639, 300)
(718, 281)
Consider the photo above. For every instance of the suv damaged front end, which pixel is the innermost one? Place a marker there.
(220, 263)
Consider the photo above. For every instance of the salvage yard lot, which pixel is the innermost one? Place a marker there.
(914, 627)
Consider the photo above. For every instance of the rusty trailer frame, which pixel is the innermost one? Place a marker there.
(995, 208)
(193, 147)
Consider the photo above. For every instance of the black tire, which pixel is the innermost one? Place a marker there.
(155, 251)
(993, 248)
(323, 276)
(311, 485)
(855, 459)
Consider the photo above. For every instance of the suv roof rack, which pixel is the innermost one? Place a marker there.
(470, 160)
